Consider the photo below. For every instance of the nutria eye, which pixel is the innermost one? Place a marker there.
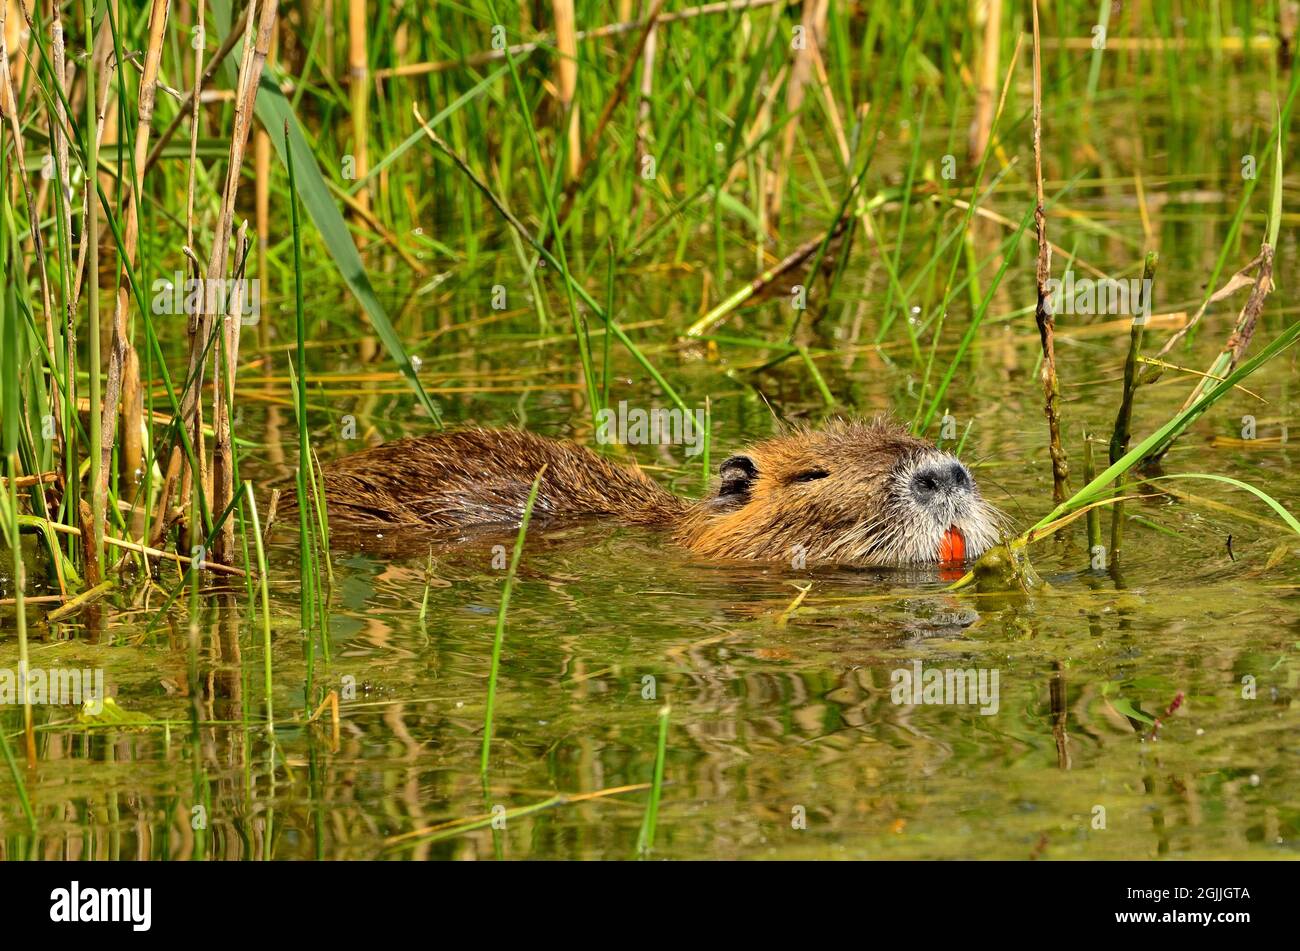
(811, 475)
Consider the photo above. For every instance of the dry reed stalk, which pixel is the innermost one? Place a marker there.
(146, 550)
(1043, 311)
(250, 71)
(982, 125)
(88, 520)
(224, 387)
(194, 102)
(122, 383)
(1242, 331)
(189, 103)
(262, 194)
(645, 89)
(1239, 280)
(566, 80)
(359, 90)
(59, 139)
(172, 470)
(758, 128)
(612, 103)
(105, 65)
(813, 26)
(841, 140)
(93, 541)
(766, 283)
(1237, 45)
(11, 26)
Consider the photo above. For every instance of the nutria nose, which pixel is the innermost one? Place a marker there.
(946, 478)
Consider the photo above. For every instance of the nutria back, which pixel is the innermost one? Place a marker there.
(482, 477)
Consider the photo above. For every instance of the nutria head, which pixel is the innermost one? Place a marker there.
(855, 493)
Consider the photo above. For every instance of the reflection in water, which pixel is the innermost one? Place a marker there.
(770, 719)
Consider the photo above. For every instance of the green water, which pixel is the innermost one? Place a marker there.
(784, 740)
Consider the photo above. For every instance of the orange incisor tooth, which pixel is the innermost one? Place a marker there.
(953, 546)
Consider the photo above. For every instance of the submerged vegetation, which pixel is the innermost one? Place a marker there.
(240, 239)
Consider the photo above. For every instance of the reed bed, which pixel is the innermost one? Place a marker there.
(567, 160)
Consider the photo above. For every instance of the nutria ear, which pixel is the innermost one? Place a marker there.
(738, 474)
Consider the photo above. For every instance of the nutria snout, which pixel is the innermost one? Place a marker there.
(853, 493)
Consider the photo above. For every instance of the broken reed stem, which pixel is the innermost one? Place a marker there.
(102, 67)
(172, 468)
(1242, 332)
(85, 599)
(790, 262)
(1244, 328)
(1239, 280)
(136, 547)
(120, 364)
(194, 134)
(1043, 310)
(1119, 438)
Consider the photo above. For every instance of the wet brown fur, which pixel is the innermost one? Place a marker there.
(789, 503)
(823, 493)
(476, 477)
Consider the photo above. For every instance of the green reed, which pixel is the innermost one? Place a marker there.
(11, 359)
(646, 837)
(268, 679)
(499, 638)
(303, 476)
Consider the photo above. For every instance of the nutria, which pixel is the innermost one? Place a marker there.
(853, 493)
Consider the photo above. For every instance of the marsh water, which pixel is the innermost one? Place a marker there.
(784, 737)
